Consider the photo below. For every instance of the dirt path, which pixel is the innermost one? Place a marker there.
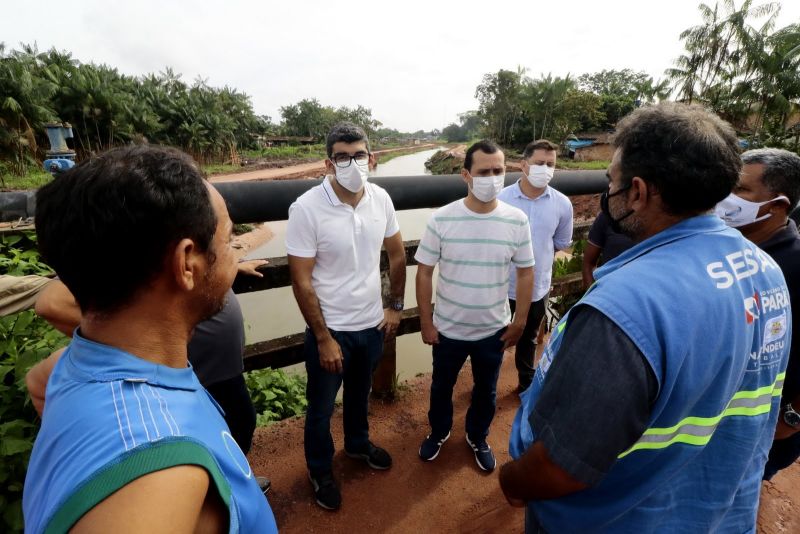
(449, 494)
(304, 170)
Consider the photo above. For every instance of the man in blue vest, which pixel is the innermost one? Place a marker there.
(656, 399)
(130, 441)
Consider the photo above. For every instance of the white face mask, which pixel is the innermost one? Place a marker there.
(736, 211)
(540, 175)
(486, 188)
(353, 177)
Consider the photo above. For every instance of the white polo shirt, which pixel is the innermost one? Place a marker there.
(346, 243)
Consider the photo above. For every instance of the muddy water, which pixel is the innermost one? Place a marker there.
(274, 313)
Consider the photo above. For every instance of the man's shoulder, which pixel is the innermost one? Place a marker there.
(558, 196)
(378, 194)
(312, 196)
(509, 211)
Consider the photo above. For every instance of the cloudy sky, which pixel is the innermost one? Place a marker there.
(415, 63)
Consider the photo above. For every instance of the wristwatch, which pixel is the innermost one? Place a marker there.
(396, 304)
(791, 417)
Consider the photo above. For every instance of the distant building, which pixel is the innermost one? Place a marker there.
(590, 147)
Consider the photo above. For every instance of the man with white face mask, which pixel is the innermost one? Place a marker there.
(475, 241)
(550, 215)
(768, 190)
(333, 242)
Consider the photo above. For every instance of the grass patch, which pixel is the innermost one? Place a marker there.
(599, 165)
(33, 179)
(314, 152)
(220, 168)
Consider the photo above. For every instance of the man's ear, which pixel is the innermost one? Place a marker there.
(780, 206)
(329, 169)
(641, 193)
(465, 175)
(186, 264)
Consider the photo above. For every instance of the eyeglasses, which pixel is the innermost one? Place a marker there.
(343, 160)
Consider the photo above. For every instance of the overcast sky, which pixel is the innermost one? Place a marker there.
(416, 64)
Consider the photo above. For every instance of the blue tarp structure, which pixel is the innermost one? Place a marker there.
(576, 144)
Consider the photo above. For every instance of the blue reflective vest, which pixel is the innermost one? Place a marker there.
(710, 312)
(111, 418)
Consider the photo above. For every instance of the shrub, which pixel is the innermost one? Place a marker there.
(276, 394)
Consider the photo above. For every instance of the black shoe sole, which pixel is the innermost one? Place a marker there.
(365, 457)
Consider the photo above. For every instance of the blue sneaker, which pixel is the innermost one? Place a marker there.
(430, 448)
(484, 456)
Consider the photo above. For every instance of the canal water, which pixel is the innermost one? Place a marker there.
(274, 313)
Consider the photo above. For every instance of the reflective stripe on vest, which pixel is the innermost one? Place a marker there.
(698, 430)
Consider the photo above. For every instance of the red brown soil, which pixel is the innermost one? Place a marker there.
(449, 494)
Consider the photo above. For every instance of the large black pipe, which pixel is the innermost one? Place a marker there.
(269, 200)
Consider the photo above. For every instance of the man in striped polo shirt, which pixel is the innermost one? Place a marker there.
(474, 240)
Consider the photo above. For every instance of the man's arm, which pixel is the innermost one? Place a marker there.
(534, 477)
(424, 286)
(562, 238)
(57, 306)
(178, 499)
(330, 354)
(36, 379)
(578, 442)
(591, 255)
(783, 431)
(523, 295)
(397, 281)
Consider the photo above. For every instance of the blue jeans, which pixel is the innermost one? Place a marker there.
(449, 356)
(783, 453)
(361, 351)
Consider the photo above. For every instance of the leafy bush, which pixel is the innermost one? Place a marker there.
(276, 394)
(565, 266)
(19, 256)
(25, 339)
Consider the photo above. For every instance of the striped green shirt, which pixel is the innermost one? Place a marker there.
(474, 252)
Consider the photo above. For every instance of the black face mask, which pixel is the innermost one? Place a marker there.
(614, 223)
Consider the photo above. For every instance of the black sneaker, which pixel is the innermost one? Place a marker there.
(430, 448)
(326, 491)
(264, 484)
(375, 457)
(483, 454)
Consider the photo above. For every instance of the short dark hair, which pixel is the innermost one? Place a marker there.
(486, 146)
(107, 225)
(345, 132)
(539, 144)
(687, 153)
(781, 171)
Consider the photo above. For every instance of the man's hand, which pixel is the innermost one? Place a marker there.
(391, 320)
(783, 431)
(513, 501)
(512, 334)
(330, 355)
(249, 267)
(430, 336)
(37, 377)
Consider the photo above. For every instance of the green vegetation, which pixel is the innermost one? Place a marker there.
(735, 62)
(30, 179)
(599, 165)
(310, 152)
(220, 168)
(25, 339)
(276, 394)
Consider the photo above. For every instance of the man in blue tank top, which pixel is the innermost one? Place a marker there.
(655, 402)
(130, 440)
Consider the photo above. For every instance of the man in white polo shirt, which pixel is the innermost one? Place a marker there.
(550, 215)
(475, 241)
(333, 241)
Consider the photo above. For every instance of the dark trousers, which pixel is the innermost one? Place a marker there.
(449, 356)
(526, 346)
(234, 398)
(361, 350)
(784, 452)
